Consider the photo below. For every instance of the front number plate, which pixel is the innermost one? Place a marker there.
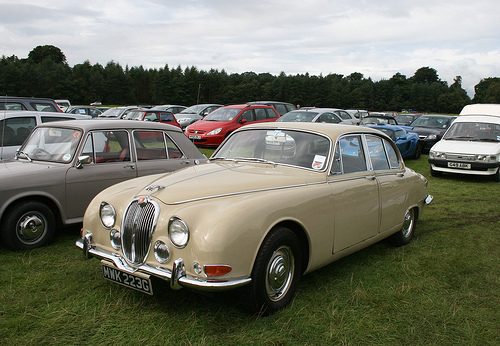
(137, 282)
(194, 136)
(459, 165)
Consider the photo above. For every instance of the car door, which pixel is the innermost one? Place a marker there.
(156, 152)
(111, 163)
(355, 194)
(393, 189)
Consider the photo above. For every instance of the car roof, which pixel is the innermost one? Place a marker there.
(96, 124)
(331, 130)
(481, 109)
(22, 114)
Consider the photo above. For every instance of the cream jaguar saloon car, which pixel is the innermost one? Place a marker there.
(274, 202)
(471, 145)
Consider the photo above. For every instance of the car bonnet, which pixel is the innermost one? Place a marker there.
(226, 178)
(467, 147)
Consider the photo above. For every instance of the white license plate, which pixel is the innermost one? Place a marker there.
(137, 282)
(194, 137)
(459, 165)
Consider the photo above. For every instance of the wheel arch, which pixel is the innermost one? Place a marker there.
(51, 204)
(301, 234)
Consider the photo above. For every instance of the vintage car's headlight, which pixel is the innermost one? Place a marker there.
(178, 232)
(115, 238)
(482, 157)
(161, 252)
(214, 132)
(107, 214)
(431, 137)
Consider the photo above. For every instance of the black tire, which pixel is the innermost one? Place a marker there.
(435, 173)
(418, 151)
(27, 225)
(276, 273)
(405, 234)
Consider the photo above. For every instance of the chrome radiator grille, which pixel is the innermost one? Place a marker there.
(137, 229)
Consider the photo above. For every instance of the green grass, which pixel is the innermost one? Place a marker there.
(441, 289)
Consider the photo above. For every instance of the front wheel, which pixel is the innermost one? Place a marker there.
(276, 273)
(405, 234)
(28, 225)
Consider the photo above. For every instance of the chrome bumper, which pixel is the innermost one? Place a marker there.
(177, 276)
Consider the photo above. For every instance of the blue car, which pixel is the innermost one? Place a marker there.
(407, 141)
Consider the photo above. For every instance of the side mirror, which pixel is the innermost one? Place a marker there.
(243, 121)
(83, 160)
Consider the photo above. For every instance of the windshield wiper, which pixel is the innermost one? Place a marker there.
(485, 140)
(220, 159)
(254, 159)
(25, 154)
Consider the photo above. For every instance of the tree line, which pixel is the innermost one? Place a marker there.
(46, 73)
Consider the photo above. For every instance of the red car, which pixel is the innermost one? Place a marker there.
(216, 126)
(152, 115)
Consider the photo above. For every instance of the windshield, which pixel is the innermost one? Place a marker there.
(474, 132)
(51, 144)
(193, 109)
(298, 116)
(112, 112)
(222, 114)
(432, 122)
(287, 147)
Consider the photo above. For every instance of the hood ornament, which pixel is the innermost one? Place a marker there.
(154, 188)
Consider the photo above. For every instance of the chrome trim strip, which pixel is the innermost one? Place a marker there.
(180, 278)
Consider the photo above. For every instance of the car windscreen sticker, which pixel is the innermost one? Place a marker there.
(67, 157)
(76, 134)
(318, 162)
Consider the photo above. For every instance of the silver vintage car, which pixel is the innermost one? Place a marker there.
(274, 203)
(62, 165)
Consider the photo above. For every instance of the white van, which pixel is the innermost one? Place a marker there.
(471, 145)
(15, 126)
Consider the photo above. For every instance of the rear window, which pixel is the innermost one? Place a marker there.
(44, 107)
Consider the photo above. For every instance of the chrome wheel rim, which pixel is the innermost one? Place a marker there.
(408, 223)
(279, 274)
(31, 227)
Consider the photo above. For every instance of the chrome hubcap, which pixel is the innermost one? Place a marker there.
(408, 223)
(279, 274)
(31, 227)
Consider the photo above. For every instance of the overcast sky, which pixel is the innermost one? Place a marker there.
(377, 38)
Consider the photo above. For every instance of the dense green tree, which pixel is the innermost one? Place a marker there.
(48, 52)
(487, 91)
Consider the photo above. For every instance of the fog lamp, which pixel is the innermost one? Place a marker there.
(115, 238)
(161, 252)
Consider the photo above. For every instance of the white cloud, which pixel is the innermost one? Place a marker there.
(376, 38)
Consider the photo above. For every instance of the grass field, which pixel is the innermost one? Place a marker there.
(441, 289)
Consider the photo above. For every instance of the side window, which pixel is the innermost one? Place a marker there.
(344, 115)
(49, 119)
(260, 114)
(151, 117)
(150, 145)
(352, 154)
(393, 156)
(271, 114)
(328, 118)
(44, 107)
(248, 115)
(12, 106)
(166, 117)
(16, 130)
(107, 146)
(280, 108)
(377, 153)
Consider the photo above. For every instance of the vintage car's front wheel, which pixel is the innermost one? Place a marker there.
(405, 234)
(28, 225)
(276, 273)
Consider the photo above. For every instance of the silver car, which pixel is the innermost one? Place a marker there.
(63, 165)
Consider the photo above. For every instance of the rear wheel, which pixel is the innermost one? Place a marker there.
(276, 273)
(28, 225)
(405, 234)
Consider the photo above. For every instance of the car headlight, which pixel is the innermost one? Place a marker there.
(107, 215)
(431, 137)
(161, 252)
(115, 238)
(437, 155)
(214, 132)
(178, 232)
